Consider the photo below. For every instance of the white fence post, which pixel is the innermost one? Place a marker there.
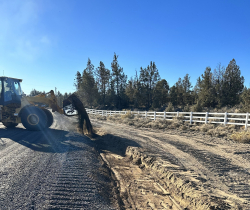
(146, 114)
(206, 117)
(225, 118)
(191, 117)
(177, 113)
(247, 115)
(102, 112)
(154, 115)
(164, 115)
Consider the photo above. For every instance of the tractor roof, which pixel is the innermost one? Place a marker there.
(20, 80)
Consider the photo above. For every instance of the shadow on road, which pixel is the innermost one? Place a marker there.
(60, 141)
(114, 144)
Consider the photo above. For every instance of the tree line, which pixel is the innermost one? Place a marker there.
(109, 88)
(105, 88)
(60, 96)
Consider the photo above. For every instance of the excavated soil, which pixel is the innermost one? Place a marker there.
(163, 169)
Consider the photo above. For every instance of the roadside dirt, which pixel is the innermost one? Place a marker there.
(163, 169)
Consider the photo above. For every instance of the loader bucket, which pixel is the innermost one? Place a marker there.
(84, 123)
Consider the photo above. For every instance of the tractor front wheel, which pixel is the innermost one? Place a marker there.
(33, 118)
(49, 117)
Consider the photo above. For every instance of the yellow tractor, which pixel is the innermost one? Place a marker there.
(32, 112)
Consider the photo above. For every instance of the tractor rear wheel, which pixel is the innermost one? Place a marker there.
(33, 118)
(10, 124)
(50, 119)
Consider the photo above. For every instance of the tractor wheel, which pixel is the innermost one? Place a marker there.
(10, 124)
(33, 118)
(50, 119)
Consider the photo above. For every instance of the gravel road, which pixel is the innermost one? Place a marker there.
(52, 169)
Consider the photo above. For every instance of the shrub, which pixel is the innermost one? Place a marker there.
(197, 107)
(170, 107)
(128, 115)
(206, 127)
(243, 137)
(186, 108)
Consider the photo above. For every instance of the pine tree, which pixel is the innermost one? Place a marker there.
(179, 92)
(149, 77)
(119, 82)
(160, 94)
(206, 96)
(103, 77)
(78, 80)
(245, 100)
(89, 91)
(233, 84)
(186, 84)
(173, 95)
(218, 79)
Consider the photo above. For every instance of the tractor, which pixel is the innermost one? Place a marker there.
(34, 112)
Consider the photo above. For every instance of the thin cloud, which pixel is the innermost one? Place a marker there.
(45, 40)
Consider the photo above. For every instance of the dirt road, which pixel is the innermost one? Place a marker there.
(218, 167)
(52, 169)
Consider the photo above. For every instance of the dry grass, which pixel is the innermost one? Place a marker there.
(216, 130)
(128, 115)
(243, 137)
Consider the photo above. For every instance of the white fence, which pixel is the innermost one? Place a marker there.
(202, 117)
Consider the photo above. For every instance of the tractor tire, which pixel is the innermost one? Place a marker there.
(33, 118)
(50, 118)
(10, 124)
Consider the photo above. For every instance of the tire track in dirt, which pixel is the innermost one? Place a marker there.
(217, 163)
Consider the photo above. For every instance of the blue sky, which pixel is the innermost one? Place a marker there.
(45, 42)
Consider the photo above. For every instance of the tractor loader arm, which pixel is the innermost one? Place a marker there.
(84, 124)
(51, 102)
(83, 118)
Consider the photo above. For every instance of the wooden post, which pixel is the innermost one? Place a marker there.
(154, 115)
(164, 115)
(247, 115)
(102, 112)
(191, 117)
(146, 114)
(225, 118)
(206, 117)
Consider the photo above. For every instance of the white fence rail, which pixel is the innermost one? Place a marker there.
(201, 117)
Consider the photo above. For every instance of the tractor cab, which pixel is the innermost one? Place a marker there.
(10, 91)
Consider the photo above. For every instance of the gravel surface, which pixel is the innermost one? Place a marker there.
(52, 169)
